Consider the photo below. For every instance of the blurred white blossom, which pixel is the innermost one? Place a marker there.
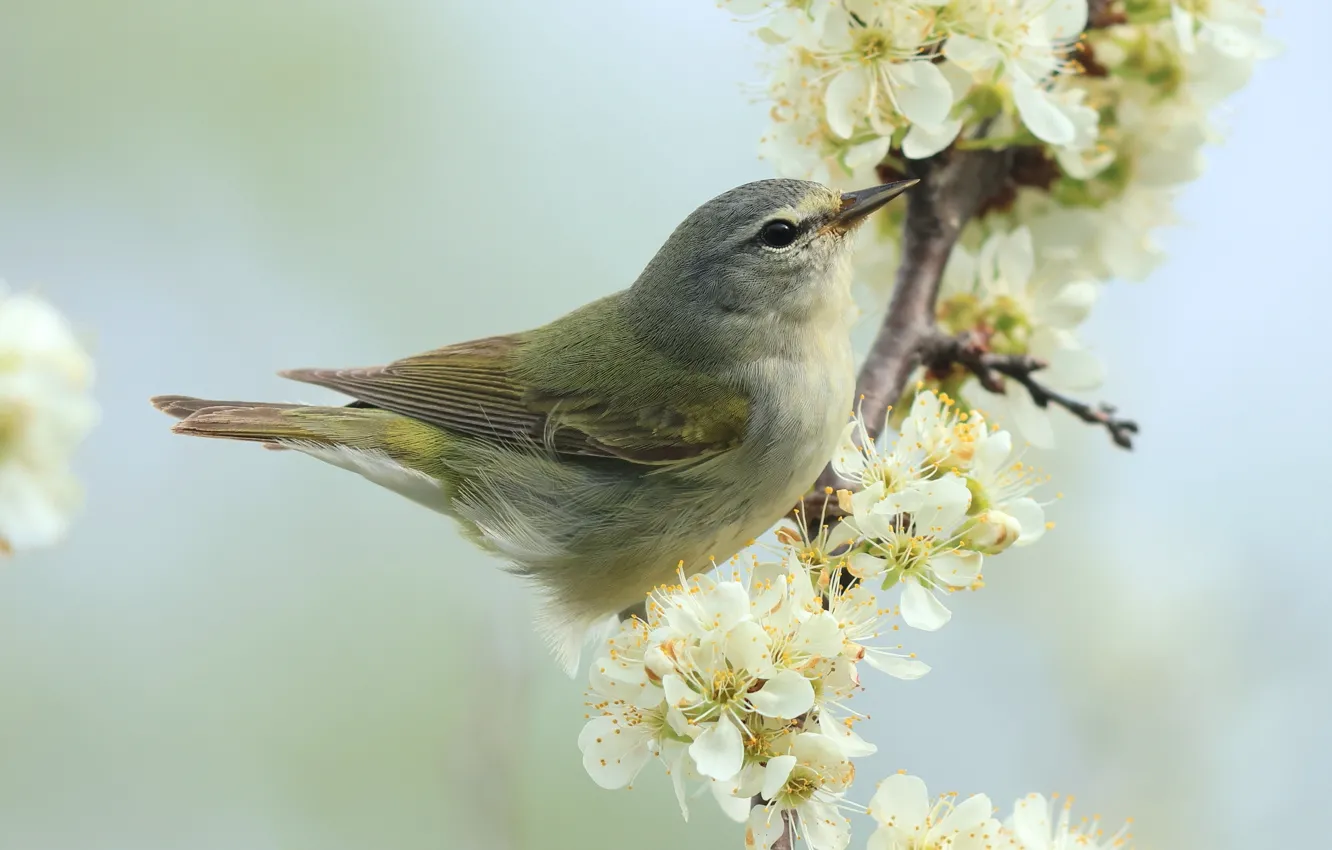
(1033, 826)
(45, 412)
(1001, 298)
(908, 820)
(1106, 118)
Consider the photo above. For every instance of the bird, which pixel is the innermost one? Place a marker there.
(649, 434)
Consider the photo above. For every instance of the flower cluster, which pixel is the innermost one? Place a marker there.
(908, 820)
(1105, 108)
(949, 493)
(45, 412)
(738, 682)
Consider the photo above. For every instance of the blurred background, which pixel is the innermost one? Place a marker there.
(242, 650)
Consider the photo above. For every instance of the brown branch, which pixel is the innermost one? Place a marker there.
(990, 369)
(953, 184)
(1104, 13)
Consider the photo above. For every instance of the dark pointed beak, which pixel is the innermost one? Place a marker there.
(860, 203)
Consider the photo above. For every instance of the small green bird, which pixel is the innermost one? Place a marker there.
(667, 424)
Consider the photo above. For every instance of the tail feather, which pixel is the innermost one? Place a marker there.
(394, 451)
(181, 406)
(263, 422)
(257, 424)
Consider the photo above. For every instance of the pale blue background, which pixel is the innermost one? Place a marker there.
(241, 650)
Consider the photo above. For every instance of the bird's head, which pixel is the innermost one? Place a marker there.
(772, 249)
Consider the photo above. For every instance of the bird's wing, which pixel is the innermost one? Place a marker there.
(477, 388)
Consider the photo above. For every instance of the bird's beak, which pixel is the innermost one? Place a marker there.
(860, 203)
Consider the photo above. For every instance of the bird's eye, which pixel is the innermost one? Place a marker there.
(778, 234)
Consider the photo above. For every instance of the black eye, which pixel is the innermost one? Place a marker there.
(778, 234)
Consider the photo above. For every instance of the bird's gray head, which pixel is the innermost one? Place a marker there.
(772, 249)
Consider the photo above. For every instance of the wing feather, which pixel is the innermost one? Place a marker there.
(474, 388)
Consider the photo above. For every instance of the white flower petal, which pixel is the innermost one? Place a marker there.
(849, 461)
(725, 606)
(864, 500)
(612, 756)
(1039, 112)
(1074, 369)
(775, 775)
(1031, 420)
(786, 695)
(972, 54)
(992, 453)
(925, 141)
(676, 757)
(1017, 258)
(1070, 305)
(868, 153)
(719, 752)
(848, 741)
(895, 665)
(1064, 20)
(967, 815)
(819, 636)
(902, 801)
(866, 566)
(957, 569)
(921, 610)
(1031, 822)
(735, 808)
(764, 828)
(922, 92)
(1183, 23)
(1030, 516)
(847, 100)
(677, 693)
(824, 827)
(748, 647)
(946, 501)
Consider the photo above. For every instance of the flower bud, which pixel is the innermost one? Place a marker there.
(993, 532)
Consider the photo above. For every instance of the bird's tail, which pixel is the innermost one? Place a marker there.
(265, 422)
(397, 452)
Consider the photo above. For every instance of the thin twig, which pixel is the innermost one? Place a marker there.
(1021, 369)
(942, 351)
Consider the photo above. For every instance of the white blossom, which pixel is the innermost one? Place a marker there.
(807, 781)
(880, 78)
(727, 670)
(999, 295)
(45, 412)
(1034, 826)
(1235, 27)
(909, 821)
(1025, 43)
(923, 551)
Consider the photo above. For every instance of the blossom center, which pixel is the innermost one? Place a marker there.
(873, 45)
(13, 420)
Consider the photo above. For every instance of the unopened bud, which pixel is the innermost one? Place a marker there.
(993, 532)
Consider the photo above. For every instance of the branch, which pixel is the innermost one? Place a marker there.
(953, 184)
(967, 350)
(1104, 13)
